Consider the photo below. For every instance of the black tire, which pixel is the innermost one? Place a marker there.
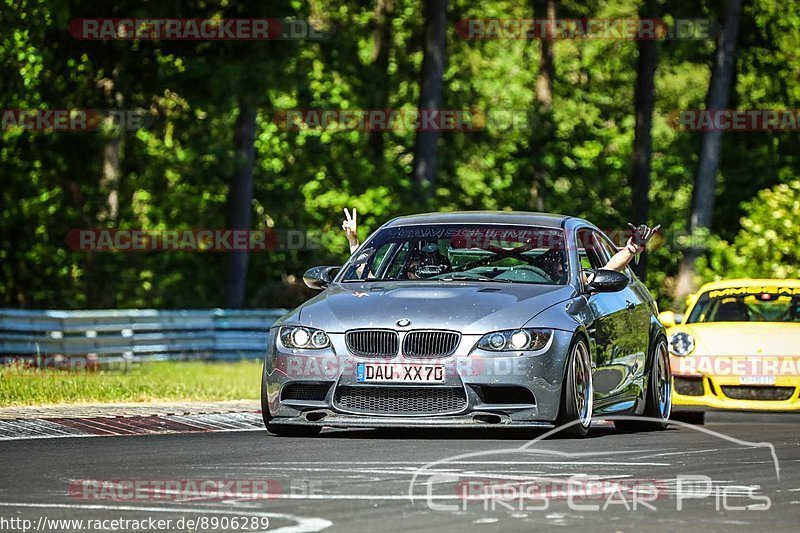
(577, 392)
(282, 430)
(697, 418)
(658, 396)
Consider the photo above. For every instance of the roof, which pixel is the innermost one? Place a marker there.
(748, 282)
(547, 220)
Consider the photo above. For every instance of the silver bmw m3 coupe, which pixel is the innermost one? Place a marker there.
(470, 319)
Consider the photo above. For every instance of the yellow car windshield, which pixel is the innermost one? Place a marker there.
(761, 307)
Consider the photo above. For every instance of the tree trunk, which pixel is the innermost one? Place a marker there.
(642, 143)
(430, 95)
(108, 209)
(240, 196)
(384, 10)
(109, 182)
(544, 100)
(705, 182)
(544, 79)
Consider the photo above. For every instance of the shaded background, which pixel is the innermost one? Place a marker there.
(213, 156)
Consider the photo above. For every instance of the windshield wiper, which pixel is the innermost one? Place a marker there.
(470, 278)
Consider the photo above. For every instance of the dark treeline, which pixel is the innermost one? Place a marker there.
(584, 127)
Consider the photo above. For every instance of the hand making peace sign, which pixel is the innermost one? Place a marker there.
(350, 227)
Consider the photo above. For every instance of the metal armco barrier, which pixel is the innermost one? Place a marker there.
(136, 334)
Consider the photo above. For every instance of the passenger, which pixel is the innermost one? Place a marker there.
(350, 225)
(636, 244)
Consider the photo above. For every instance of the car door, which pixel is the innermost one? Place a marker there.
(638, 303)
(634, 342)
(607, 321)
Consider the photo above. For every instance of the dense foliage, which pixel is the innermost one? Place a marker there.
(766, 245)
(175, 173)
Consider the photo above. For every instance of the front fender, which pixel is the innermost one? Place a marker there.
(656, 330)
(568, 316)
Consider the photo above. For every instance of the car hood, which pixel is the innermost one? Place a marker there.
(471, 308)
(744, 338)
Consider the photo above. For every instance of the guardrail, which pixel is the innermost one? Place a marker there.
(136, 334)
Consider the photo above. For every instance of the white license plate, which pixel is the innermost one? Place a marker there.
(756, 380)
(396, 372)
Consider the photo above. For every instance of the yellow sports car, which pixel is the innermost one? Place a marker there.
(737, 347)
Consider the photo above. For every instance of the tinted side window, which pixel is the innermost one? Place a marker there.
(590, 250)
(393, 269)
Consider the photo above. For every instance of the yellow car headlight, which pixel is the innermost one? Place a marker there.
(681, 344)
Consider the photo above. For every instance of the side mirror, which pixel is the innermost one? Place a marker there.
(670, 319)
(319, 277)
(607, 281)
(667, 318)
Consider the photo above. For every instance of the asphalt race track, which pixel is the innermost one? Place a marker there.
(361, 480)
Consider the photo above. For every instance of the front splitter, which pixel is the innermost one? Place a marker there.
(322, 418)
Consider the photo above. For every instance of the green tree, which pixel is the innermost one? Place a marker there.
(766, 245)
(704, 192)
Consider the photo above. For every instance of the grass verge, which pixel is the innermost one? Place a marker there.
(144, 382)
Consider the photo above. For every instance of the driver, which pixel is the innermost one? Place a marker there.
(430, 262)
(426, 262)
(552, 262)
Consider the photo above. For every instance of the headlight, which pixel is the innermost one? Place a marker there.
(306, 338)
(515, 340)
(681, 344)
(320, 339)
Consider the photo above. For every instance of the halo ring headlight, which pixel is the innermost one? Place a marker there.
(516, 340)
(319, 339)
(497, 341)
(304, 338)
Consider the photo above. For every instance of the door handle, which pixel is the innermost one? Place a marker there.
(630, 306)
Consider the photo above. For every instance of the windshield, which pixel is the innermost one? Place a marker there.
(463, 252)
(748, 304)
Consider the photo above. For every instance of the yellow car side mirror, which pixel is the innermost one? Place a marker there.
(667, 318)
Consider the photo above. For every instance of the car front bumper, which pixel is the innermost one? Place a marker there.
(697, 391)
(469, 375)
